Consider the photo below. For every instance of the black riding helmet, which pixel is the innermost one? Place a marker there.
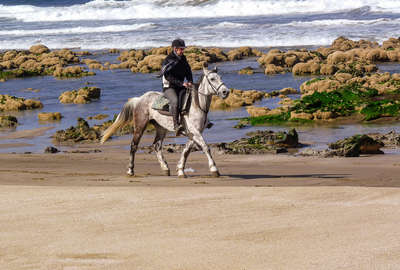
(178, 43)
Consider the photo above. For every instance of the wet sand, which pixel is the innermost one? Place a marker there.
(80, 211)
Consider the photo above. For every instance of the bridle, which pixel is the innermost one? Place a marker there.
(215, 89)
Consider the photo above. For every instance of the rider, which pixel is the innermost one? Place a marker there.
(175, 69)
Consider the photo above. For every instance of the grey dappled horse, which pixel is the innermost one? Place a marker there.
(140, 111)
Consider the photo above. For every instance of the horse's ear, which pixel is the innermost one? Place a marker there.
(215, 69)
(205, 65)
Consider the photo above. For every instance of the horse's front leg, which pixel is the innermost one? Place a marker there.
(198, 138)
(180, 168)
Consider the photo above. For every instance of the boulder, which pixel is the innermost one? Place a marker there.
(39, 49)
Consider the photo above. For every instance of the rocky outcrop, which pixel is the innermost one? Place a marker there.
(344, 55)
(38, 61)
(349, 147)
(382, 82)
(82, 96)
(262, 142)
(11, 103)
(356, 145)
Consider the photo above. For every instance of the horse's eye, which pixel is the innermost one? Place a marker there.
(213, 79)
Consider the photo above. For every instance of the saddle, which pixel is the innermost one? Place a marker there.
(161, 104)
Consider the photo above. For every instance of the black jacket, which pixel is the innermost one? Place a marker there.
(174, 71)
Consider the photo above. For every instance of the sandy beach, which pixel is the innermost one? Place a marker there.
(80, 211)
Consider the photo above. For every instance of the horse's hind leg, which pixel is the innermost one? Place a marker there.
(181, 164)
(157, 145)
(137, 135)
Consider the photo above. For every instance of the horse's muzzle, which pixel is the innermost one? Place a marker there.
(223, 93)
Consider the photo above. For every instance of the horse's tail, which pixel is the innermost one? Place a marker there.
(124, 117)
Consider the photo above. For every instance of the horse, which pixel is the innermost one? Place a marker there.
(139, 111)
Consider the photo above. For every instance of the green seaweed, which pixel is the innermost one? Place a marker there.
(377, 109)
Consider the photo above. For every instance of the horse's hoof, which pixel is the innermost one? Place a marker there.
(130, 173)
(182, 176)
(215, 174)
(166, 172)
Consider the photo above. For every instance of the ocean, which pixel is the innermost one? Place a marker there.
(98, 25)
(101, 24)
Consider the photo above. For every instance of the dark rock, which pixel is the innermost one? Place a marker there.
(8, 121)
(82, 132)
(356, 145)
(51, 150)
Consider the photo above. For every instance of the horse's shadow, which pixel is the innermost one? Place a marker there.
(269, 176)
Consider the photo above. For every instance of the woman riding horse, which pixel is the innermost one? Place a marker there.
(175, 69)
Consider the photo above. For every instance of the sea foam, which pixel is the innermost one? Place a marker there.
(135, 9)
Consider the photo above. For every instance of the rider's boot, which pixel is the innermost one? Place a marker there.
(177, 126)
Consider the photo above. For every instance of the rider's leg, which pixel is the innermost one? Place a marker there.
(170, 93)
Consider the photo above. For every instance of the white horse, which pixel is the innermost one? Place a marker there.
(139, 111)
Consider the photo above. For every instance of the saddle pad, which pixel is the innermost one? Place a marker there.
(161, 103)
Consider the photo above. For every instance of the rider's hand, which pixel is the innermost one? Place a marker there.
(187, 84)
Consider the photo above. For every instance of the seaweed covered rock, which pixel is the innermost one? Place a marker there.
(11, 103)
(81, 132)
(8, 121)
(38, 61)
(261, 142)
(82, 96)
(356, 145)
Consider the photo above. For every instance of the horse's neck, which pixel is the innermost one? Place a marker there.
(204, 101)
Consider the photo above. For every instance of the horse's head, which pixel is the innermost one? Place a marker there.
(213, 85)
